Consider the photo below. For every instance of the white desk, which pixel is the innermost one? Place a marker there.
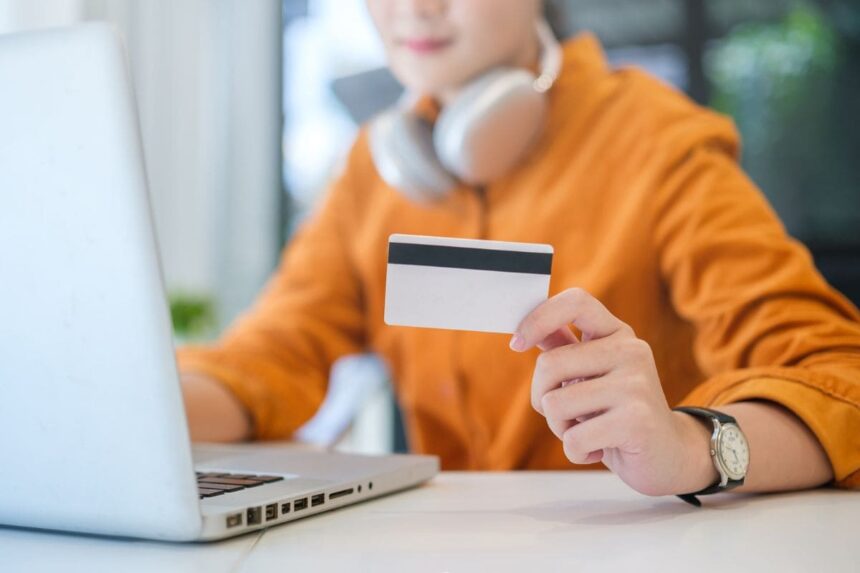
(534, 522)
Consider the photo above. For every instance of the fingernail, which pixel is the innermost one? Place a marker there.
(518, 343)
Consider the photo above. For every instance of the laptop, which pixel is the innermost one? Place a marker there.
(93, 435)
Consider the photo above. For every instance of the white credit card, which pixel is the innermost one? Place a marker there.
(464, 284)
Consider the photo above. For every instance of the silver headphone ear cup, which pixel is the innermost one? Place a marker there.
(401, 145)
(490, 126)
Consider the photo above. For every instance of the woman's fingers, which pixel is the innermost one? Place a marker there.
(577, 401)
(573, 306)
(583, 440)
(559, 427)
(561, 337)
(595, 392)
(573, 362)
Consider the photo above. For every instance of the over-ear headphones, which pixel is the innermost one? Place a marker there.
(484, 132)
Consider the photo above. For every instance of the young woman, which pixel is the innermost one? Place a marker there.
(679, 281)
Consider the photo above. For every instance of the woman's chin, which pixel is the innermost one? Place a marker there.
(428, 85)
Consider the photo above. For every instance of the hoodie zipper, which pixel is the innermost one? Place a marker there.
(476, 441)
(483, 208)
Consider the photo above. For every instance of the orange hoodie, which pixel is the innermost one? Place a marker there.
(639, 192)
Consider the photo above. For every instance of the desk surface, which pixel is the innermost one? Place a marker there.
(501, 522)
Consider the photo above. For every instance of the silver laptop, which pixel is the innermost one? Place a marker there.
(93, 436)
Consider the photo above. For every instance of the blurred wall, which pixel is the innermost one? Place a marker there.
(208, 80)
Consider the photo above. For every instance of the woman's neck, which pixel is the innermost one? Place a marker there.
(528, 57)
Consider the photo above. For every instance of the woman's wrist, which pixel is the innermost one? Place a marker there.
(696, 469)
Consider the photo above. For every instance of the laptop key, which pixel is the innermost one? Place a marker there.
(217, 483)
(239, 476)
(269, 479)
(219, 486)
(234, 481)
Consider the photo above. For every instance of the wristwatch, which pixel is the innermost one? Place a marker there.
(729, 451)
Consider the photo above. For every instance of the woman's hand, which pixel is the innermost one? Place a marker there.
(602, 398)
(214, 413)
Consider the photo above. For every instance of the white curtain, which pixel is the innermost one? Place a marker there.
(207, 74)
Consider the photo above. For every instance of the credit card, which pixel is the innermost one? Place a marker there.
(464, 284)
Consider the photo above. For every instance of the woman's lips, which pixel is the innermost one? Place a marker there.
(425, 45)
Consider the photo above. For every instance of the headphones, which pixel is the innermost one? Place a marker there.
(484, 132)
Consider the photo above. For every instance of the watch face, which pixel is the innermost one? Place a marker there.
(734, 451)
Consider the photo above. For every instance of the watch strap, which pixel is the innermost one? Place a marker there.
(693, 500)
(722, 418)
(715, 488)
(707, 413)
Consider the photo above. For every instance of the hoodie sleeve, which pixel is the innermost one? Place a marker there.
(276, 358)
(768, 326)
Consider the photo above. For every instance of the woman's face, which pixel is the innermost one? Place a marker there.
(434, 46)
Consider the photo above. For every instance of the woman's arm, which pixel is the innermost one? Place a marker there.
(602, 397)
(270, 369)
(214, 413)
(784, 453)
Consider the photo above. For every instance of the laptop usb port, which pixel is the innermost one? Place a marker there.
(285, 508)
(318, 499)
(300, 504)
(271, 511)
(255, 515)
(341, 493)
(234, 520)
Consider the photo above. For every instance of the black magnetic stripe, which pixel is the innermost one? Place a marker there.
(469, 258)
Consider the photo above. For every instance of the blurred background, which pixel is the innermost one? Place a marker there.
(248, 105)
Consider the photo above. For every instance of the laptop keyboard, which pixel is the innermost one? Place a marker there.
(211, 484)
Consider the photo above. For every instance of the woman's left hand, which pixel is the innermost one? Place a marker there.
(602, 398)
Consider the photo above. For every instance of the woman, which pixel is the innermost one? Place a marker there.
(669, 263)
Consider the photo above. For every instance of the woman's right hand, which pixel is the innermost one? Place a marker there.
(214, 413)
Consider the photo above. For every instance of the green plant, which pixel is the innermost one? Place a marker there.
(193, 315)
(783, 84)
(763, 73)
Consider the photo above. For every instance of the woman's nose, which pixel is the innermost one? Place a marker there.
(425, 8)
